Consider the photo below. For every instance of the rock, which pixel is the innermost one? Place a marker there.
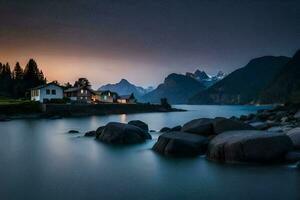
(202, 126)
(249, 146)
(294, 135)
(297, 115)
(221, 125)
(90, 134)
(99, 131)
(292, 156)
(73, 131)
(165, 129)
(264, 125)
(208, 127)
(181, 144)
(119, 133)
(176, 128)
(140, 124)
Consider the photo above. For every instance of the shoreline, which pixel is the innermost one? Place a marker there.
(57, 111)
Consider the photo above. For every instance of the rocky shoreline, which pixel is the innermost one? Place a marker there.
(269, 136)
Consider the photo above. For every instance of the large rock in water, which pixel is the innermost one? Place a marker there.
(294, 134)
(181, 144)
(140, 124)
(249, 146)
(208, 127)
(119, 133)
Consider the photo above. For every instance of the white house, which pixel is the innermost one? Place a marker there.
(47, 92)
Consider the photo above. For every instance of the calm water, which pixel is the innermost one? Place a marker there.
(39, 160)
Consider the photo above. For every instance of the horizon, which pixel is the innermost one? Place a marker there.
(110, 40)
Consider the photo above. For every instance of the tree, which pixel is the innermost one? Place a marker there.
(18, 72)
(18, 83)
(32, 75)
(5, 80)
(82, 82)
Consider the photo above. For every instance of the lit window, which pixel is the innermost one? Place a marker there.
(105, 97)
(109, 94)
(81, 91)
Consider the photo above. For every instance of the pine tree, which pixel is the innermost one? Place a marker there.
(18, 84)
(18, 72)
(32, 75)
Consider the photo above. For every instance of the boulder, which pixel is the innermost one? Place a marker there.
(297, 115)
(176, 128)
(292, 156)
(249, 146)
(99, 131)
(164, 129)
(181, 144)
(208, 127)
(294, 135)
(221, 125)
(202, 126)
(73, 131)
(90, 134)
(119, 133)
(140, 124)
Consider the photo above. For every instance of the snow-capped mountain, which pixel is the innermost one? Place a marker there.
(206, 79)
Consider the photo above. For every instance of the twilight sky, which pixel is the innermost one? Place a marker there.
(144, 40)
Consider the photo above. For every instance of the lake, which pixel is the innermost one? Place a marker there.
(40, 160)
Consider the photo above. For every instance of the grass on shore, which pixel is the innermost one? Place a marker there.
(8, 101)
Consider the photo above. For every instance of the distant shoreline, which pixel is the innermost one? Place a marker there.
(56, 111)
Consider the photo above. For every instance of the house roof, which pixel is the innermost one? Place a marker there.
(45, 85)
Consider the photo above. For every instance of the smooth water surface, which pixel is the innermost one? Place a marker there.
(40, 160)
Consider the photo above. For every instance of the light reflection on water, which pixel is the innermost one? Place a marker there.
(40, 160)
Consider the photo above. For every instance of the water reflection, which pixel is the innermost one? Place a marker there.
(40, 160)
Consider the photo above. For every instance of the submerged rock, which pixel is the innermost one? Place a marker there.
(181, 144)
(73, 131)
(208, 127)
(119, 133)
(90, 134)
(140, 124)
(294, 135)
(249, 146)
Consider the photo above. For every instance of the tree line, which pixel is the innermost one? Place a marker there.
(16, 82)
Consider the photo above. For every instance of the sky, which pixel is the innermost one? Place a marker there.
(144, 41)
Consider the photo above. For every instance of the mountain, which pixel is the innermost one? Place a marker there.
(243, 85)
(176, 88)
(205, 79)
(124, 87)
(285, 87)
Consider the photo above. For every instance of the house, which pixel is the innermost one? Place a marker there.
(46, 92)
(82, 94)
(108, 96)
(129, 99)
